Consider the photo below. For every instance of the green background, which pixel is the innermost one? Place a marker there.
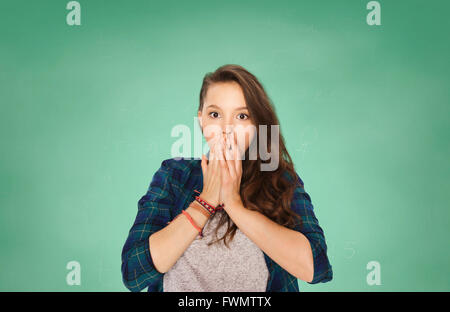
(87, 113)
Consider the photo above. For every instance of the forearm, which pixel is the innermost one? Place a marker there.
(169, 244)
(289, 248)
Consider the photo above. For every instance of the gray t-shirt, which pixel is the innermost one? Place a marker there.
(216, 267)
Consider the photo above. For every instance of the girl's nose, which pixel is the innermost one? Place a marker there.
(227, 135)
(228, 130)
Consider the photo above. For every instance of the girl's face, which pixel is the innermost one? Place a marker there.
(225, 111)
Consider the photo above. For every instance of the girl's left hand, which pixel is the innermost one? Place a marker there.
(231, 166)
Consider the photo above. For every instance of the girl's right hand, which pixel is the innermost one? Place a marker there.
(212, 180)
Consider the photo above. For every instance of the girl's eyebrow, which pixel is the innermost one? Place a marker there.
(239, 108)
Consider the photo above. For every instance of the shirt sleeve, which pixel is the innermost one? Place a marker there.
(138, 271)
(302, 205)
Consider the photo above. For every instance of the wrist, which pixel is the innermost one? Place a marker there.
(197, 206)
(233, 201)
(198, 217)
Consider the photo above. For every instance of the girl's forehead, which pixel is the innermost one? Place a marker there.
(225, 96)
(227, 105)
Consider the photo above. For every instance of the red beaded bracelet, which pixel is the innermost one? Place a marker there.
(207, 205)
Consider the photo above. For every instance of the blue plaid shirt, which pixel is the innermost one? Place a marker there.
(172, 190)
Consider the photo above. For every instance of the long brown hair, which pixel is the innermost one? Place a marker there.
(267, 192)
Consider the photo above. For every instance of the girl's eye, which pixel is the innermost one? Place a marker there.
(242, 114)
(213, 113)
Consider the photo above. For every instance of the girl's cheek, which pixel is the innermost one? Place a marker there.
(211, 132)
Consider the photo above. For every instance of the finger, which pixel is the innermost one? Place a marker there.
(215, 161)
(229, 159)
(204, 165)
(237, 155)
(217, 148)
(221, 152)
(212, 157)
(214, 151)
(220, 148)
(224, 168)
(240, 147)
(211, 153)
